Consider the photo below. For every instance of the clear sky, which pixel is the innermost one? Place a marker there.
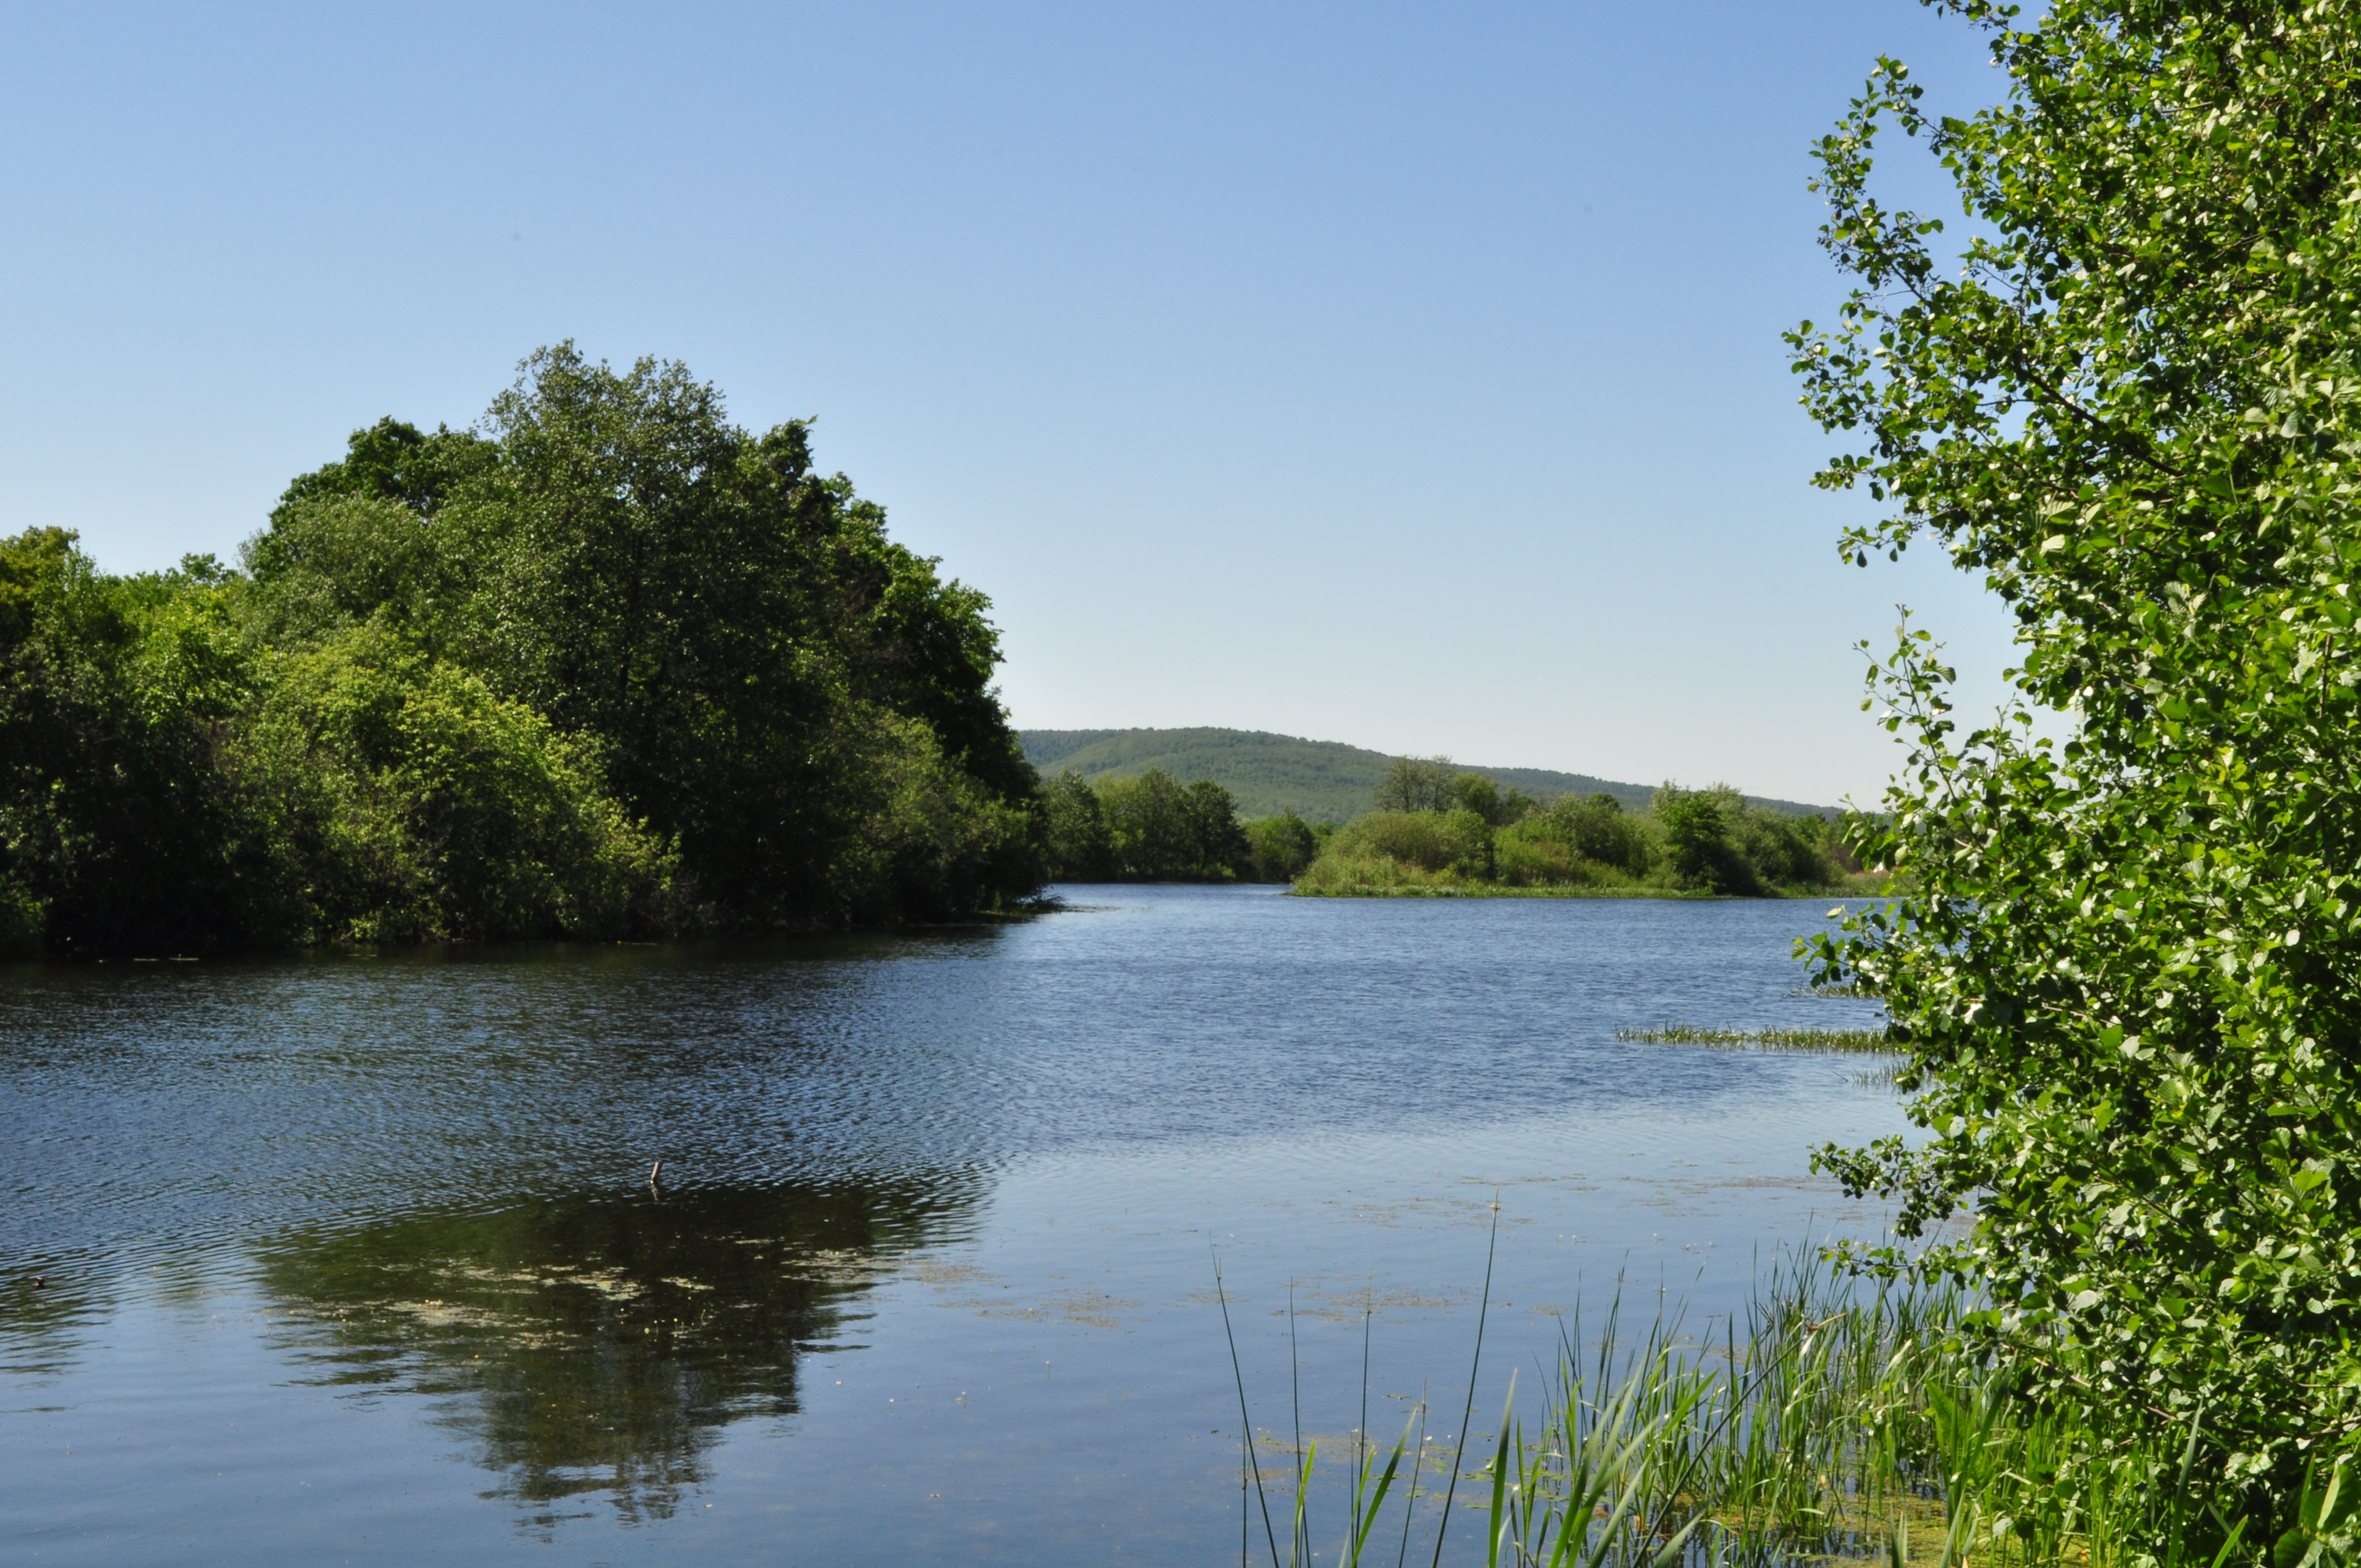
(1405, 376)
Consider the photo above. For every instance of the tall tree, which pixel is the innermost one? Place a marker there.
(2130, 973)
(731, 632)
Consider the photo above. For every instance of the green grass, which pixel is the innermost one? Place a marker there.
(1839, 1421)
(1562, 890)
(1763, 1039)
(1493, 890)
(1337, 874)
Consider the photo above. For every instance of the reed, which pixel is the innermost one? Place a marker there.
(1839, 1419)
(1873, 1040)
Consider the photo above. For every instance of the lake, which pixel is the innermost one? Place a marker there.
(356, 1259)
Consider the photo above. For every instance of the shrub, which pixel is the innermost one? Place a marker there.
(1595, 828)
(1417, 838)
(417, 805)
(1280, 847)
(935, 841)
(1536, 862)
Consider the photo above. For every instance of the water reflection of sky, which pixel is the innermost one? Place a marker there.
(354, 1257)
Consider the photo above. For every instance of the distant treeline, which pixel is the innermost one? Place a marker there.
(1152, 827)
(606, 665)
(1440, 828)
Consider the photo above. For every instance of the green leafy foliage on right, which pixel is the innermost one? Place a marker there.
(2129, 970)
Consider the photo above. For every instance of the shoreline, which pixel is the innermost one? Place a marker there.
(1366, 890)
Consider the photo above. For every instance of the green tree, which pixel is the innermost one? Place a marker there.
(396, 462)
(1280, 847)
(731, 633)
(2127, 974)
(1417, 784)
(1218, 845)
(1079, 846)
(118, 694)
(423, 808)
(1597, 829)
(1163, 831)
(1697, 845)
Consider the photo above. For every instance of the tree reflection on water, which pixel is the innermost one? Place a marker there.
(599, 1344)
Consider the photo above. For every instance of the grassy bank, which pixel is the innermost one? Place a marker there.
(1441, 834)
(1867, 885)
(1838, 1418)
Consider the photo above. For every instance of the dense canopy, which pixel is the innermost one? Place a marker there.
(606, 664)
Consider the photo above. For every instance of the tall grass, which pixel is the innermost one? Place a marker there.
(1763, 1039)
(1839, 1420)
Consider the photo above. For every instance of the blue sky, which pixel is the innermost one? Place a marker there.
(1405, 376)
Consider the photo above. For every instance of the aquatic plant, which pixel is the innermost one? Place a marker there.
(1763, 1039)
(1838, 1418)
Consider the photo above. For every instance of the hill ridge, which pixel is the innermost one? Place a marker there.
(1322, 780)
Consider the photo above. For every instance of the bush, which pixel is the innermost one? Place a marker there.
(1707, 841)
(1535, 861)
(417, 805)
(23, 921)
(1595, 829)
(1346, 872)
(1280, 847)
(936, 841)
(1416, 839)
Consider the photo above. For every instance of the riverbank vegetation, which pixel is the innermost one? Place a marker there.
(1873, 1040)
(1151, 827)
(2128, 972)
(1829, 1421)
(1441, 831)
(605, 666)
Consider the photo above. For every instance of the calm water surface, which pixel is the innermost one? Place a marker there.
(356, 1260)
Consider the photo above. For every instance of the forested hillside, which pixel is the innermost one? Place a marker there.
(1321, 781)
(605, 664)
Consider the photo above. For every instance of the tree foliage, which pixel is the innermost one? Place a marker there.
(605, 663)
(2130, 975)
(1417, 784)
(1707, 841)
(1147, 827)
(1281, 847)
